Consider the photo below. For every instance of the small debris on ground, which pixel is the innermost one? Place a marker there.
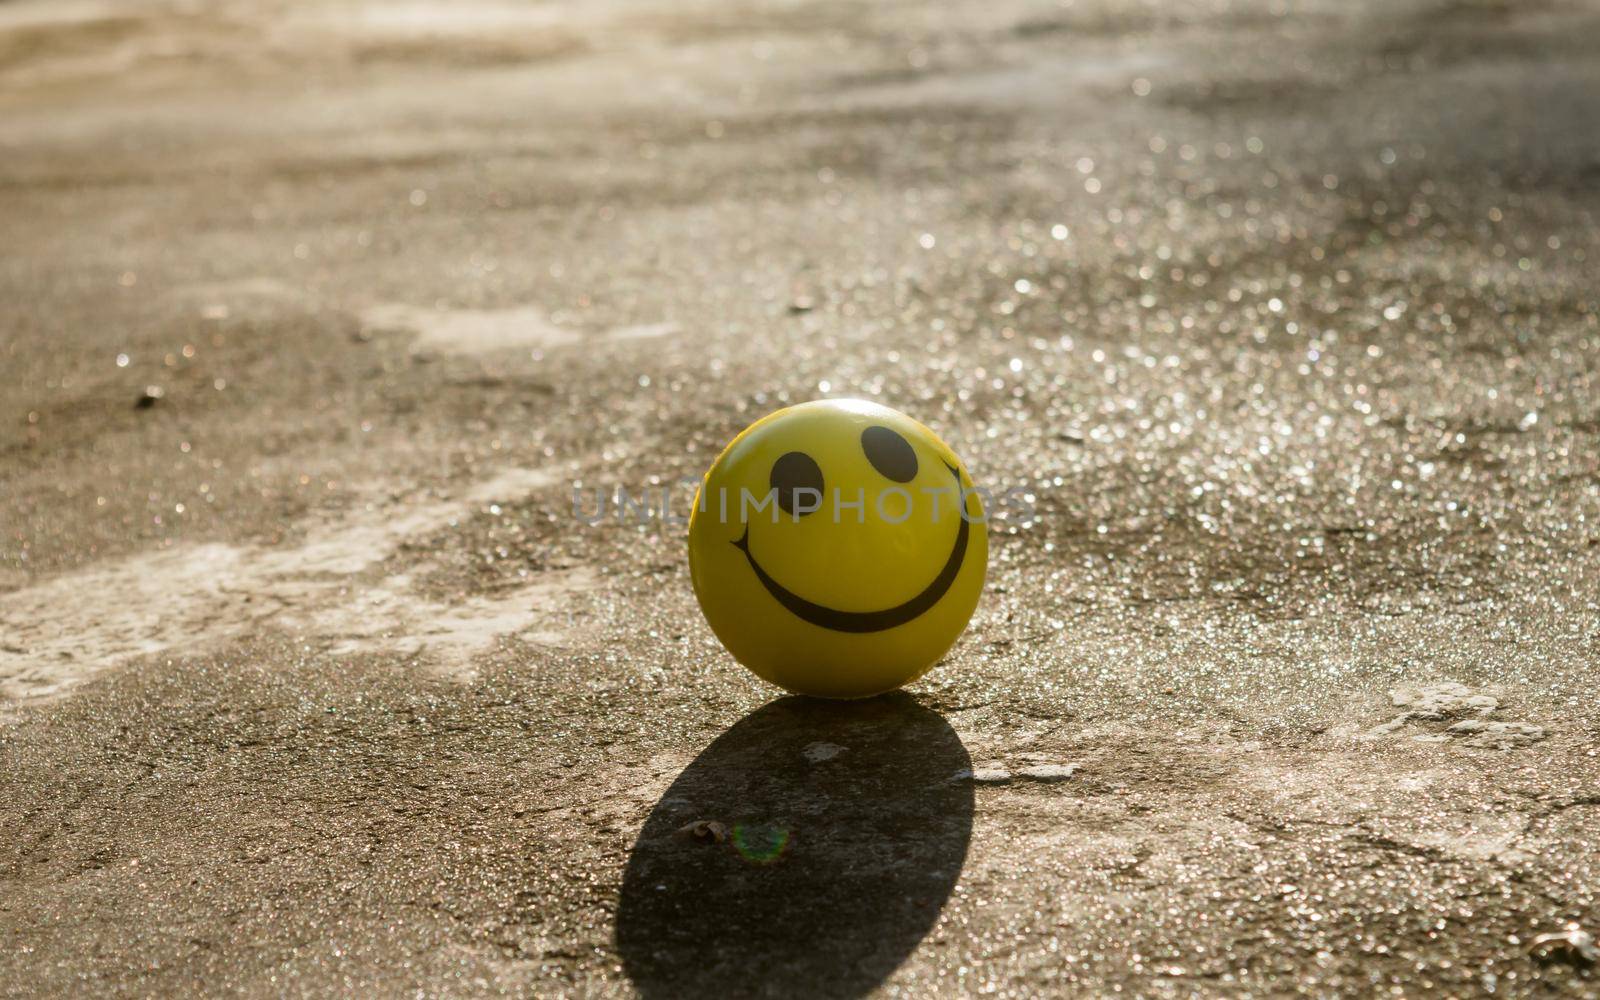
(983, 775)
(152, 395)
(1048, 772)
(707, 831)
(997, 775)
(1572, 944)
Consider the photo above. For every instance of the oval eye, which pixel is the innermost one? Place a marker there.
(889, 453)
(798, 480)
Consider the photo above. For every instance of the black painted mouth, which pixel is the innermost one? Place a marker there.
(867, 621)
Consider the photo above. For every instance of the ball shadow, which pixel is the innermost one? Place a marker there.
(839, 833)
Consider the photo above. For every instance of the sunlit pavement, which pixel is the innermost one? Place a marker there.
(325, 324)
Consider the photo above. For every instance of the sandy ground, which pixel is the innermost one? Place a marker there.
(312, 317)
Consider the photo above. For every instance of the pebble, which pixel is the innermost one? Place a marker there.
(983, 775)
(1570, 944)
(1048, 772)
(705, 830)
(997, 775)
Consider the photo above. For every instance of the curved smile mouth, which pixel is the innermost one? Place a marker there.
(867, 621)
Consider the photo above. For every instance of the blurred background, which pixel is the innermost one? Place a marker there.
(312, 315)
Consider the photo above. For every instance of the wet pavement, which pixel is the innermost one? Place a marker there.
(324, 323)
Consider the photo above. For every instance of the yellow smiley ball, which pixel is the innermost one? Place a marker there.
(838, 548)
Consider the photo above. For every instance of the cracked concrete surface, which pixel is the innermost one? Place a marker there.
(313, 681)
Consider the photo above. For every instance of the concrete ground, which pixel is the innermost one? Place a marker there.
(312, 317)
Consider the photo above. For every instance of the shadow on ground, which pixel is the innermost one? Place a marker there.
(844, 836)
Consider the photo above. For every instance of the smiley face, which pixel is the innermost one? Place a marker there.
(837, 548)
(891, 455)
